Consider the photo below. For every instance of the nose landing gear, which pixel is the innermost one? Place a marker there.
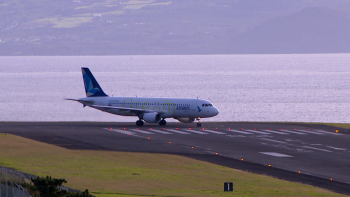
(198, 123)
(162, 122)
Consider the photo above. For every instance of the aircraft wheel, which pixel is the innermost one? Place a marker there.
(199, 124)
(162, 122)
(139, 123)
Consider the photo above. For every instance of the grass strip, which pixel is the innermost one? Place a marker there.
(109, 174)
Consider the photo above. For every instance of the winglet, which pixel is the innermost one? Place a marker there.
(92, 88)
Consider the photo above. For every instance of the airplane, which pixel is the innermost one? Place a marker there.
(151, 110)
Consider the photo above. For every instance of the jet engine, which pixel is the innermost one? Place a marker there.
(185, 120)
(151, 117)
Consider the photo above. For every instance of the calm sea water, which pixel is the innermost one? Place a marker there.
(302, 88)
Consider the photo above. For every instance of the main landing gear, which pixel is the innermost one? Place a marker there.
(162, 122)
(139, 123)
(198, 123)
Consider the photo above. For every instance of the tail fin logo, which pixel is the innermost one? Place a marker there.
(91, 86)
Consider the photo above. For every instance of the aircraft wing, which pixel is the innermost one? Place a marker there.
(132, 110)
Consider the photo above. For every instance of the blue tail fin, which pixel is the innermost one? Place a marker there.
(91, 86)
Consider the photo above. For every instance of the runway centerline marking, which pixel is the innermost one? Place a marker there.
(158, 131)
(141, 131)
(242, 132)
(193, 131)
(317, 149)
(176, 131)
(275, 154)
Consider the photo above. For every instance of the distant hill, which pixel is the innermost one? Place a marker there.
(311, 30)
(121, 27)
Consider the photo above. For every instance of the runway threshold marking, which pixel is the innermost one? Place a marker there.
(326, 132)
(275, 154)
(259, 132)
(216, 132)
(141, 131)
(241, 132)
(277, 132)
(287, 131)
(312, 132)
(317, 149)
(273, 140)
(235, 135)
(158, 131)
(176, 131)
(193, 131)
(120, 131)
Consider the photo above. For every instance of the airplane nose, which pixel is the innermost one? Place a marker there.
(216, 111)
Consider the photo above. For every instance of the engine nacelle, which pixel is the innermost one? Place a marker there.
(185, 120)
(151, 117)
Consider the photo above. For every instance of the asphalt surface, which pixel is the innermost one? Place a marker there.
(310, 154)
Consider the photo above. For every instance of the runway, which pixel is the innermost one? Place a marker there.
(301, 152)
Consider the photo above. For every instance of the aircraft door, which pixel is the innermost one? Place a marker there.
(194, 105)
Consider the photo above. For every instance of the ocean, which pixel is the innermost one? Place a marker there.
(287, 88)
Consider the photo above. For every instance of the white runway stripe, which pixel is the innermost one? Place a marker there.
(241, 132)
(318, 149)
(253, 131)
(277, 132)
(176, 131)
(158, 131)
(311, 132)
(275, 154)
(216, 132)
(120, 131)
(140, 131)
(326, 132)
(193, 131)
(295, 132)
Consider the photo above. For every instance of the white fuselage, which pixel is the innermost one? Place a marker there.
(166, 107)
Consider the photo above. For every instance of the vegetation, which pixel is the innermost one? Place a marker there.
(109, 174)
(47, 186)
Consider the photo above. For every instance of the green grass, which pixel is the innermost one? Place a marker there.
(109, 174)
(340, 125)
